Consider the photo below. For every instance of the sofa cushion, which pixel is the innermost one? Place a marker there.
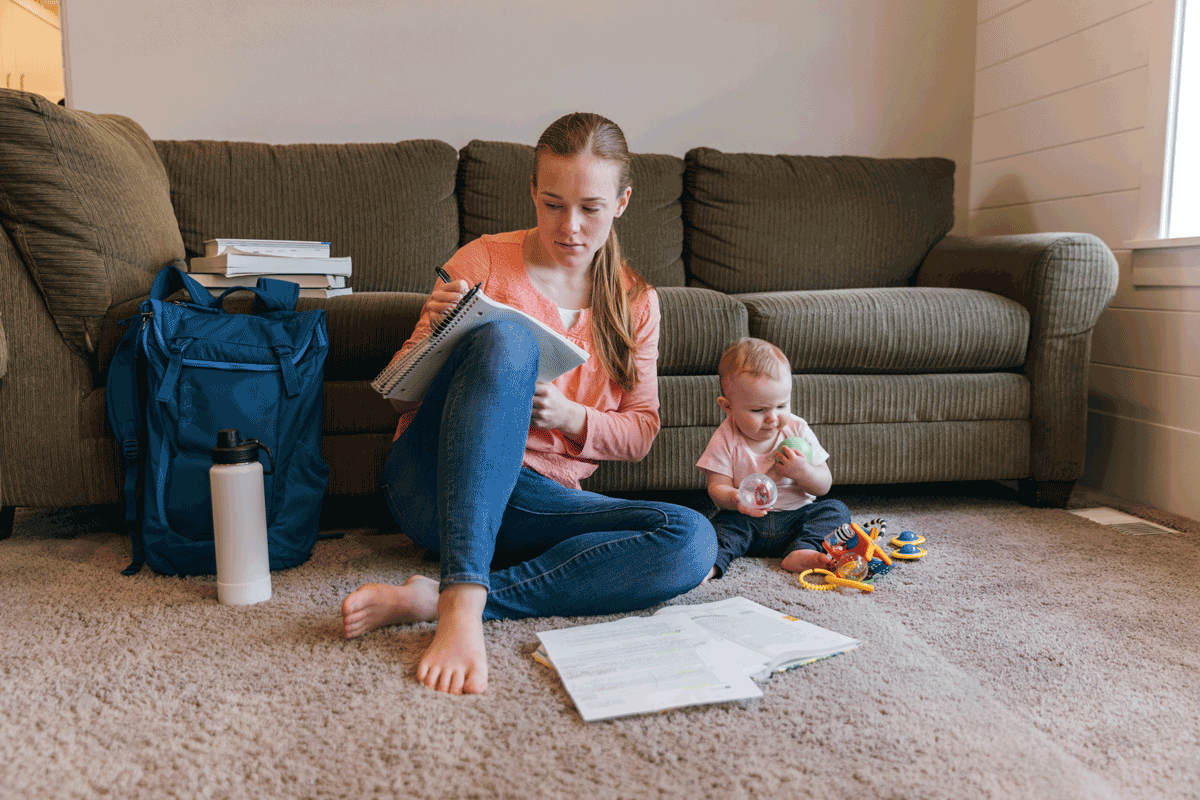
(691, 400)
(759, 223)
(493, 190)
(697, 326)
(86, 202)
(905, 330)
(389, 206)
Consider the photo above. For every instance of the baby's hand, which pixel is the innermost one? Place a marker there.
(791, 463)
(750, 511)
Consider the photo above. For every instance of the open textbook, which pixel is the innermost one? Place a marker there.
(682, 655)
(409, 376)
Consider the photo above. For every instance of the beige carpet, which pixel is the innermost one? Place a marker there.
(1031, 654)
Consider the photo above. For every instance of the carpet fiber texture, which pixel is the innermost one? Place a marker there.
(1033, 653)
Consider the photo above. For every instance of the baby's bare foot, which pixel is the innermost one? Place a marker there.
(456, 660)
(378, 604)
(800, 560)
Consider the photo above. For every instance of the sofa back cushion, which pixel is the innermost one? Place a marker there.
(760, 223)
(87, 204)
(389, 206)
(891, 330)
(493, 190)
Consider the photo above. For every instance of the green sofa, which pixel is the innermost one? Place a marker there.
(916, 356)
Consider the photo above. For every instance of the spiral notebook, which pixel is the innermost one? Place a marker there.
(408, 377)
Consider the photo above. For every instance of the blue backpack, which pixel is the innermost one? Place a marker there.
(187, 370)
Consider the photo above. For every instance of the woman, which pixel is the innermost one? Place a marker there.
(486, 470)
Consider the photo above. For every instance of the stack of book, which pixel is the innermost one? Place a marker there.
(228, 263)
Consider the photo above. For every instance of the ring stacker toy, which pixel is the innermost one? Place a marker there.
(836, 581)
(817, 587)
(832, 581)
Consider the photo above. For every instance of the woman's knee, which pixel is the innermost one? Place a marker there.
(696, 545)
(506, 344)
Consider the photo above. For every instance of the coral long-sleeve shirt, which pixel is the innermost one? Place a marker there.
(621, 425)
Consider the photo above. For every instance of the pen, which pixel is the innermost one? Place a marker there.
(445, 276)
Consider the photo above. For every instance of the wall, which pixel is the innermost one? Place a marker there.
(1058, 137)
(31, 48)
(861, 77)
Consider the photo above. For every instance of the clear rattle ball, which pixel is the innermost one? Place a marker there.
(758, 491)
(853, 567)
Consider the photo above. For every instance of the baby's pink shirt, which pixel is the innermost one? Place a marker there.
(621, 425)
(728, 453)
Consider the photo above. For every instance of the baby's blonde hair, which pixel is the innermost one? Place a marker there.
(752, 357)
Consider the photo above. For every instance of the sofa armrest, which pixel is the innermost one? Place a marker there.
(1065, 280)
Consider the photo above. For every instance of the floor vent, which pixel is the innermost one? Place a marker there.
(1120, 521)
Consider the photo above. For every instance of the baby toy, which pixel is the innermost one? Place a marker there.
(758, 491)
(858, 558)
(908, 552)
(800, 445)
(851, 538)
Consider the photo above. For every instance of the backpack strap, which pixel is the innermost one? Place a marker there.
(276, 295)
(172, 278)
(123, 397)
(270, 294)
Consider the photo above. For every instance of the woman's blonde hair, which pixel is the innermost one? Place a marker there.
(612, 322)
(752, 356)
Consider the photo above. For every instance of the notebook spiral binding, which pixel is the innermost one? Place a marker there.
(385, 382)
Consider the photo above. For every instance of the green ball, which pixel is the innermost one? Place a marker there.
(800, 445)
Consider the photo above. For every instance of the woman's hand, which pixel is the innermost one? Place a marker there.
(552, 409)
(442, 299)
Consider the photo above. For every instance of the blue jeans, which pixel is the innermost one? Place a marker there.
(455, 483)
(778, 533)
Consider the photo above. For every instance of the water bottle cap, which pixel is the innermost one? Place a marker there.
(232, 449)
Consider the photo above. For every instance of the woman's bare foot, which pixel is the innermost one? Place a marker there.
(456, 660)
(800, 560)
(378, 604)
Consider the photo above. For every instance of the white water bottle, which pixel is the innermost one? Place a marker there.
(239, 520)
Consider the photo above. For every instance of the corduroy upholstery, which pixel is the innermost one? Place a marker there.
(891, 330)
(916, 356)
(390, 207)
(759, 223)
(86, 201)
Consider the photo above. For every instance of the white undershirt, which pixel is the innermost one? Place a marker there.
(569, 316)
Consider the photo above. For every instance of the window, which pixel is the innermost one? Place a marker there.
(1183, 205)
(1166, 245)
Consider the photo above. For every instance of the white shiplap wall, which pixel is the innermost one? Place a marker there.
(1059, 131)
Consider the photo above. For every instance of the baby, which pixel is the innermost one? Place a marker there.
(756, 387)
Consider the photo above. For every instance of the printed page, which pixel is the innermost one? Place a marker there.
(762, 629)
(643, 664)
